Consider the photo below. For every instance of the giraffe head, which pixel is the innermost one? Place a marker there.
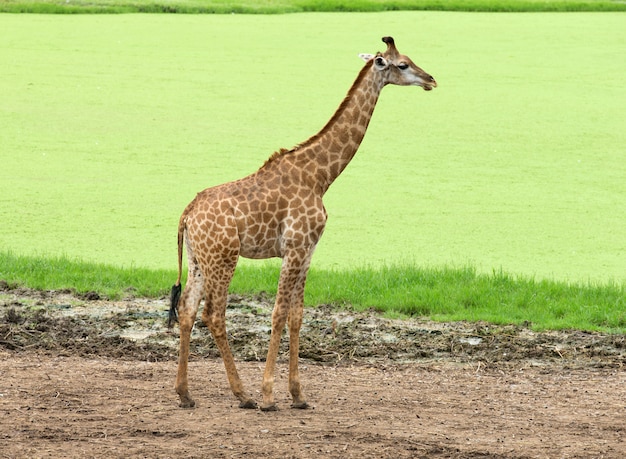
(396, 68)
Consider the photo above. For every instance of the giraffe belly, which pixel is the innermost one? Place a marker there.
(259, 243)
(256, 252)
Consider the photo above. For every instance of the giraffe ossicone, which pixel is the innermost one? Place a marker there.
(275, 212)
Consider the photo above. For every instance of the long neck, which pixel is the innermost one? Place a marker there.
(325, 155)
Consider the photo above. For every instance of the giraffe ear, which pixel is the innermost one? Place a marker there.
(380, 62)
(366, 57)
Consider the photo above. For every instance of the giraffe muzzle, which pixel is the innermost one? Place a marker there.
(428, 86)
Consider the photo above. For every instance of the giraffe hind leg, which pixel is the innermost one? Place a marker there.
(187, 311)
(214, 316)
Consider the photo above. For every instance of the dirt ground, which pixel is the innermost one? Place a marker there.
(84, 377)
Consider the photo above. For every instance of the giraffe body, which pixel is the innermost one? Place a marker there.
(275, 212)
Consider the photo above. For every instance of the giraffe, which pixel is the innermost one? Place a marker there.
(275, 212)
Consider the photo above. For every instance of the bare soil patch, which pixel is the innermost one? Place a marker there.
(84, 377)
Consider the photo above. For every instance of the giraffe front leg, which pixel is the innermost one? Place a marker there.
(295, 388)
(289, 303)
(295, 323)
(279, 318)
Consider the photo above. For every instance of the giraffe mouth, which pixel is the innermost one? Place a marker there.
(430, 85)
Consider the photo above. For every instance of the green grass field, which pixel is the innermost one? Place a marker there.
(299, 6)
(111, 124)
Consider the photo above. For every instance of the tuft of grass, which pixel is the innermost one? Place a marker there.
(296, 6)
(401, 290)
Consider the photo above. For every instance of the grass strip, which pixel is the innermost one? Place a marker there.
(281, 7)
(64, 273)
(443, 294)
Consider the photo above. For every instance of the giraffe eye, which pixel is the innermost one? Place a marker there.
(403, 66)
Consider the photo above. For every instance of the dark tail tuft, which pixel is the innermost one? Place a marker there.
(174, 297)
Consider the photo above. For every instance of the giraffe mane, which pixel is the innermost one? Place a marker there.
(284, 151)
(278, 154)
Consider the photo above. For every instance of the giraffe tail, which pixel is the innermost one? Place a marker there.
(174, 298)
(177, 287)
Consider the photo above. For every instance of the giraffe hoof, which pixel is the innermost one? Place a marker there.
(248, 404)
(271, 407)
(188, 403)
(300, 406)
